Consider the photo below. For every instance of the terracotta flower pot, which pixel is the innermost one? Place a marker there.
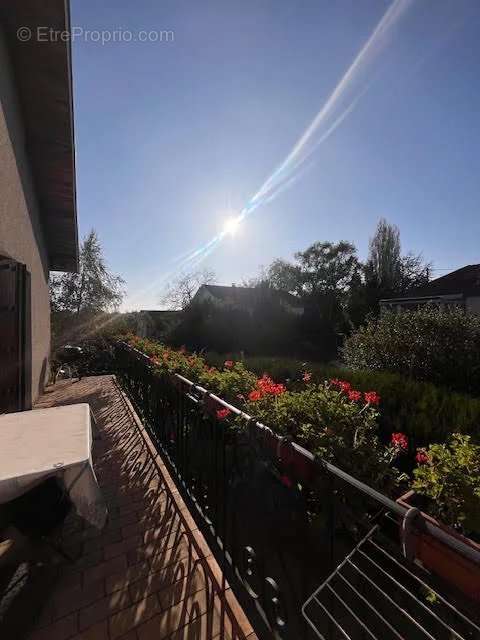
(460, 569)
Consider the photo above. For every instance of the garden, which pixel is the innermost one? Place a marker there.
(340, 420)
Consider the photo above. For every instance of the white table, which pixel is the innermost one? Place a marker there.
(38, 444)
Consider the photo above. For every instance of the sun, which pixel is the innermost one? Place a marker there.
(231, 226)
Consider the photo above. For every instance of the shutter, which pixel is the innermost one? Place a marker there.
(13, 383)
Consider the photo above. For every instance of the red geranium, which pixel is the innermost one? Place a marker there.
(341, 384)
(371, 397)
(223, 413)
(354, 396)
(399, 441)
(228, 364)
(307, 376)
(255, 395)
(266, 385)
(422, 457)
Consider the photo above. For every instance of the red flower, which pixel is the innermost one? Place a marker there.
(422, 457)
(266, 385)
(255, 395)
(371, 397)
(307, 376)
(228, 364)
(223, 413)
(399, 441)
(277, 389)
(354, 396)
(341, 384)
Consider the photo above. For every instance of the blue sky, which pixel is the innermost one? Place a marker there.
(172, 137)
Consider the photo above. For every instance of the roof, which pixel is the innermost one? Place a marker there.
(465, 281)
(42, 73)
(248, 296)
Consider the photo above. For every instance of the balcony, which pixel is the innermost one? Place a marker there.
(217, 531)
(148, 574)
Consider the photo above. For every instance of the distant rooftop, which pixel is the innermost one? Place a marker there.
(247, 296)
(465, 280)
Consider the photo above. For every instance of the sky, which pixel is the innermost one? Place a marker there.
(175, 136)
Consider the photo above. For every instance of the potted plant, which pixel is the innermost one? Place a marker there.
(446, 489)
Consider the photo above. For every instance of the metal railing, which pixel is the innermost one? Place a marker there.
(280, 520)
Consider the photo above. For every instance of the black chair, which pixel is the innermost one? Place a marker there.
(41, 511)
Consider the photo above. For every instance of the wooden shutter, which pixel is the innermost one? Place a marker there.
(13, 331)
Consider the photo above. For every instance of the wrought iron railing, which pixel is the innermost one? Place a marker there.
(281, 522)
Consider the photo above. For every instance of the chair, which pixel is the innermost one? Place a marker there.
(41, 511)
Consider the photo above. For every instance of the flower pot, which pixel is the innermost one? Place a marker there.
(452, 565)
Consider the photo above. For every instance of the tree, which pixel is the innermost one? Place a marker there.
(414, 272)
(284, 276)
(384, 266)
(387, 272)
(324, 268)
(182, 289)
(93, 289)
(322, 276)
(328, 268)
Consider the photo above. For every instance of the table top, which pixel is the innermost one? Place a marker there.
(41, 440)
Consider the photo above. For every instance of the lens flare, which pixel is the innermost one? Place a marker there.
(337, 107)
(231, 226)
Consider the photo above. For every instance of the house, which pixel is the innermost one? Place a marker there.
(38, 226)
(246, 298)
(156, 324)
(458, 288)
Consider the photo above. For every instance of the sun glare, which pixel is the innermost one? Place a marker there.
(231, 226)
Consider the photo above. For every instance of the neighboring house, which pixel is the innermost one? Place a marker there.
(246, 298)
(157, 324)
(458, 288)
(38, 226)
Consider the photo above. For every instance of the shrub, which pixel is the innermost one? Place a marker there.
(425, 412)
(429, 344)
(449, 476)
(331, 419)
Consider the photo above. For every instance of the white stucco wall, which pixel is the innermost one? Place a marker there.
(21, 236)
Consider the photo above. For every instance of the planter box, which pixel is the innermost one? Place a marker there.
(457, 567)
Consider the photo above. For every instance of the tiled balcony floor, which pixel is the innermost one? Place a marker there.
(149, 574)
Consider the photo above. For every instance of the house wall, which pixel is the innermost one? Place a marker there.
(21, 235)
(472, 304)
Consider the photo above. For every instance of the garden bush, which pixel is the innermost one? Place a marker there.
(429, 344)
(331, 419)
(448, 475)
(425, 412)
